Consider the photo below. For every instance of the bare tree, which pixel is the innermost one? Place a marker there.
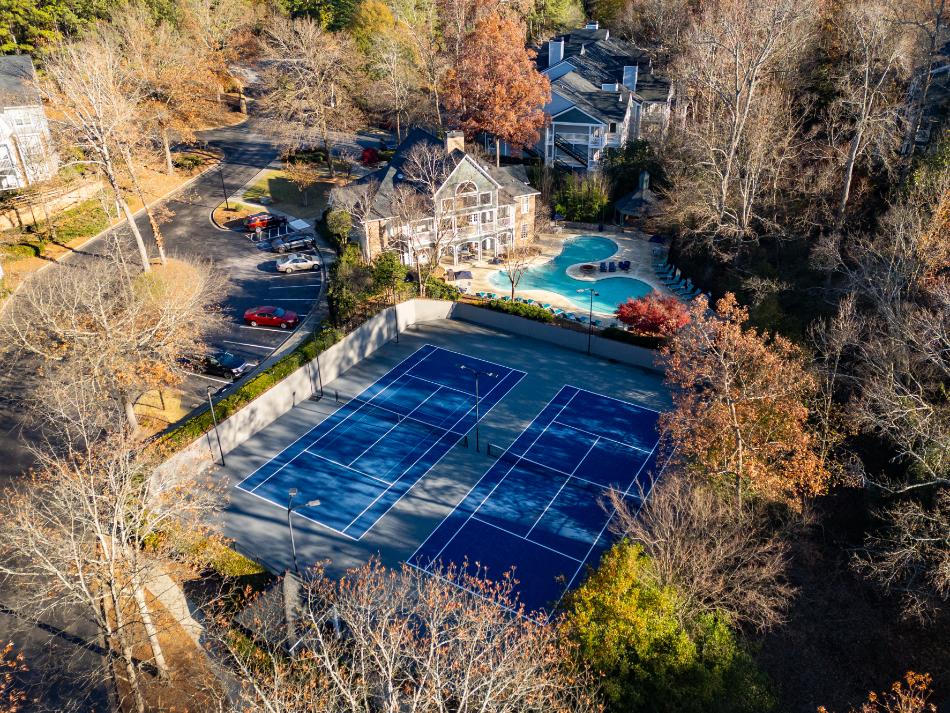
(422, 228)
(734, 145)
(515, 263)
(718, 560)
(395, 74)
(211, 25)
(413, 643)
(357, 200)
(89, 532)
(869, 91)
(99, 102)
(103, 326)
(310, 83)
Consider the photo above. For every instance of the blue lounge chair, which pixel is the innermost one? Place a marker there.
(603, 267)
(557, 311)
(506, 298)
(582, 319)
(612, 267)
(598, 323)
(672, 279)
(545, 305)
(668, 272)
(481, 294)
(688, 286)
(520, 300)
(532, 302)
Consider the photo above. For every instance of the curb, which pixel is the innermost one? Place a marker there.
(75, 248)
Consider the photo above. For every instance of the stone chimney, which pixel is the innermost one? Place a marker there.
(454, 140)
(555, 52)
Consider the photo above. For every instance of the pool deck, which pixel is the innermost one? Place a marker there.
(635, 247)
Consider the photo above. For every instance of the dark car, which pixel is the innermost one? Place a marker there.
(271, 317)
(290, 243)
(263, 221)
(220, 363)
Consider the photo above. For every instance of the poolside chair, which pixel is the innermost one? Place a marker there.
(598, 323)
(492, 296)
(612, 267)
(673, 279)
(693, 295)
(688, 286)
(480, 294)
(666, 272)
(532, 302)
(558, 312)
(545, 305)
(603, 267)
(506, 298)
(582, 319)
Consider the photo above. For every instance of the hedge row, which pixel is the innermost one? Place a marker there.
(520, 309)
(249, 390)
(641, 340)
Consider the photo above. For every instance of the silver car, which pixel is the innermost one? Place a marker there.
(297, 261)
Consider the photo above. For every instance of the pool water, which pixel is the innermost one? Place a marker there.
(552, 276)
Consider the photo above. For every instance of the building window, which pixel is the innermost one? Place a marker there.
(612, 127)
(473, 218)
(502, 212)
(524, 231)
(484, 199)
(448, 205)
(486, 216)
(524, 206)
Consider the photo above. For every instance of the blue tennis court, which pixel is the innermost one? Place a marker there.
(366, 455)
(541, 506)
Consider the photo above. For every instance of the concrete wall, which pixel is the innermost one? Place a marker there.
(361, 343)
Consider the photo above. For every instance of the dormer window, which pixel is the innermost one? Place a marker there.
(466, 195)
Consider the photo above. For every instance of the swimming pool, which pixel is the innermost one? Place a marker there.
(552, 276)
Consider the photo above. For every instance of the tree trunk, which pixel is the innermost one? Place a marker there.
(328, 147)
(166, 147)
(128, 657)
(151, 632)
(848, 174)
(156, 230)
(124, 207)
(497, 152)
(130, 416)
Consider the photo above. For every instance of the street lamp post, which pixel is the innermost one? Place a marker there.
(214, 420)
(292, 493)
(227, 206)
(477, 373)
(590, 313)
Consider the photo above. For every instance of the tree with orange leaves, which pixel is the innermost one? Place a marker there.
(495, 86)
(741, 406)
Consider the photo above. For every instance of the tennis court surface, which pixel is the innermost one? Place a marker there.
(364, 457)
(542, 507)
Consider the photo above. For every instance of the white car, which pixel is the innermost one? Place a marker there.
(297, 261)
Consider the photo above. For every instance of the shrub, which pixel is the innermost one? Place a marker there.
(201, 423)
(654, 314)
(583, 199)
(188, 162)
(631, 631)
(640, 340)
(439, 289)
(519, 309)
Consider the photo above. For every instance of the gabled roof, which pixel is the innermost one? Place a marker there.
(18, 81)
(598, 60)
(590, 98)
(511, 181)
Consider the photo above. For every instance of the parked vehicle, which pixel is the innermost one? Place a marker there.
(296, 241)
(271, 317)
(294, 262)
(219, 363)
(263, 221)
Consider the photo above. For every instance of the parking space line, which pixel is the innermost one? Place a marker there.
(271, 330)
(245, 344)
(210, 378)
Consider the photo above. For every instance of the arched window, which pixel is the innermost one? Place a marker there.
(466, 187)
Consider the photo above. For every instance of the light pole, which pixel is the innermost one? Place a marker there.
(227, 206)
(292, 493)
(214, 420)
(590, 314)
(476, 373)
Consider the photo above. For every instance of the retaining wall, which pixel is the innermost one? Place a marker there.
(362, 342)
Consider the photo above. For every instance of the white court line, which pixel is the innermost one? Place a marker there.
(469, 356)
(414, 420)
(449, 541)
(316, 426)
(296, 512)
(603, 438)
(344, 465)
(522, 459)
(390, 429)
(464, 589)
(246, 344)
(521, 375)
(442, 386)
(613, 398)
(611, 517)
(566, 481)
(525, 538)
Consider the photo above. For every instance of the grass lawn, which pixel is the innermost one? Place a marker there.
(287, 197)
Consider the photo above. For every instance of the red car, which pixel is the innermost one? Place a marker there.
(271, 317)
(263, 221)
